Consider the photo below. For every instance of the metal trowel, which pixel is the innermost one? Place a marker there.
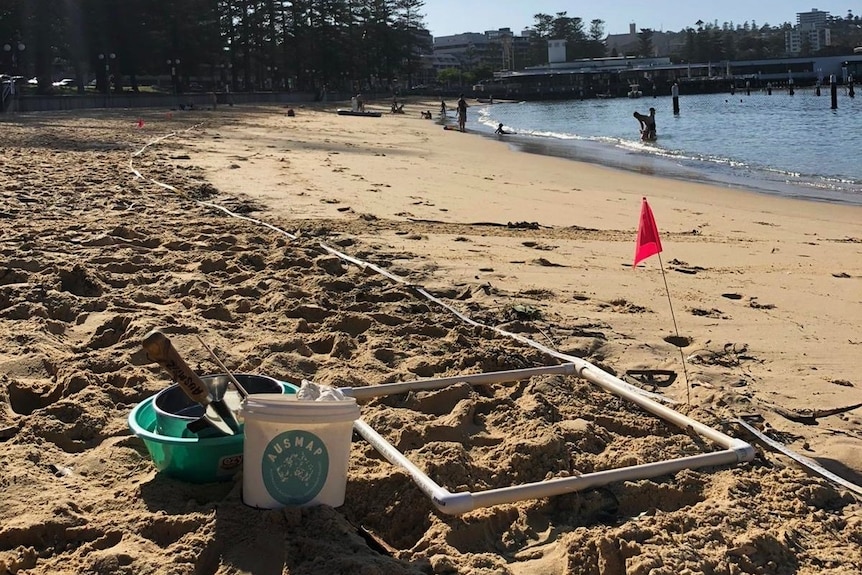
(217, 413)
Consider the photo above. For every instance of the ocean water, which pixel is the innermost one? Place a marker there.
(780, 144)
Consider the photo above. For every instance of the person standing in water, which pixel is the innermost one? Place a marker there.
(674, 94)
(647, 124)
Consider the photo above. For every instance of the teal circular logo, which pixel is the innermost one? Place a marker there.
(294, 467)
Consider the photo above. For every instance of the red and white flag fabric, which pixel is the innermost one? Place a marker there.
(648, 242)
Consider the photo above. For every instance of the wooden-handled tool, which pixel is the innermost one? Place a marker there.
(217, 414)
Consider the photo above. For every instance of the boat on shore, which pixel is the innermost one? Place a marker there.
(496, 101)
(367, 113)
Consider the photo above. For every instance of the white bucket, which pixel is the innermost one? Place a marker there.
(295, 452)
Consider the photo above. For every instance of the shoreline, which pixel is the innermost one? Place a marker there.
(618, 152)
(666, 167)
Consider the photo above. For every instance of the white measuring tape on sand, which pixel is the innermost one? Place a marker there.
(800, 459)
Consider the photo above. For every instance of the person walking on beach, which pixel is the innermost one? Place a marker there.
(462, 113)
(443, 108)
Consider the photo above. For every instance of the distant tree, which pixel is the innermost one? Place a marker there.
(595, 40)
(690, 50)
(538, 49)
(597, 30)
(408, 21)
(482, 72)
(448, 76)
(728, 40)
(645, 46)
(243, 43)
(558, 27)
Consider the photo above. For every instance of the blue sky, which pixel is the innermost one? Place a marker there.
(446, 17)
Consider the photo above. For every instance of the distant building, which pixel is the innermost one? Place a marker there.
(811, 33)
(432, 64)
(496, 49)
(812, 20)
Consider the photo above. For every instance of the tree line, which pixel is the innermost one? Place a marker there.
(311, 44)
(702, 42)
(240, 44)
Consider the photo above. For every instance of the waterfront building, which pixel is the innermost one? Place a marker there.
(614, 76)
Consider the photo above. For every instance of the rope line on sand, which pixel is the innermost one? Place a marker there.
(804, 461)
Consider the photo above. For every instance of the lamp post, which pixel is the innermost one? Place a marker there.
(174, 65)
(272, 73)
(14, 49)
(107, 59)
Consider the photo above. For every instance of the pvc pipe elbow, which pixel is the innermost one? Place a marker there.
(453, 503)
(744, 451)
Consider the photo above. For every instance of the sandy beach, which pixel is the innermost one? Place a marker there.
(109, 231)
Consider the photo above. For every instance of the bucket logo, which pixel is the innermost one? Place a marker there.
(230, 463)
(294, 467)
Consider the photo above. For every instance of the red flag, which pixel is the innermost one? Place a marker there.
(648, 243)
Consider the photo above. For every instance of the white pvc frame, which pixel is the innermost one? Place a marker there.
(735, 450)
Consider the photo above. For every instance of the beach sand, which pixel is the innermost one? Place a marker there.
(105, 238)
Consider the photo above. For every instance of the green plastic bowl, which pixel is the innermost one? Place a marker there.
(192, 459)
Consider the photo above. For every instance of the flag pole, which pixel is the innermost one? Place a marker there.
(649, 244)
(676, 331)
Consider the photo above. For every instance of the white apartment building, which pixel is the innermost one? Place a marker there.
(811, 28)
